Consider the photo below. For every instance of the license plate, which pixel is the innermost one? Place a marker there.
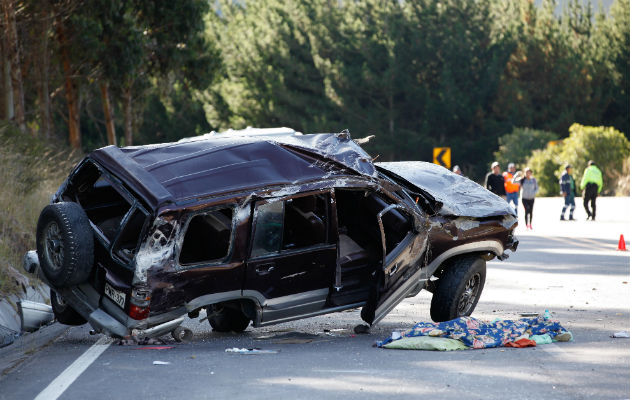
(116, 295)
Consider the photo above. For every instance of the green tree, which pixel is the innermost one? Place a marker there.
(271, 76)
(612, 54)
(546, 165)
(608, 147)
(518, 145)
(605, 145)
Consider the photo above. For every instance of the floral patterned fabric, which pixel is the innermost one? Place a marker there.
(479, 334)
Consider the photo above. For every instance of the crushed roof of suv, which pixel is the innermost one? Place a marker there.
(212, 165)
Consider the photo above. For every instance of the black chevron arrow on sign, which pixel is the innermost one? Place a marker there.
(439, 158)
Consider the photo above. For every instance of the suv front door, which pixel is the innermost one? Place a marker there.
(402, 248)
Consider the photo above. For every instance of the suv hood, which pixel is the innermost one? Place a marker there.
(459, 195)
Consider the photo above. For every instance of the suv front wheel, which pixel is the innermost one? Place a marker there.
(458, 290)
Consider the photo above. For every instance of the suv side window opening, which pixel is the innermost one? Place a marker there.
(208, 237)
(297, 223)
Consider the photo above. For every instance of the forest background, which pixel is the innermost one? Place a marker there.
(417, 74)
(532, 82)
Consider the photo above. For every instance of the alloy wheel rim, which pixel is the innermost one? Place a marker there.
(54, 246)
(469, 296)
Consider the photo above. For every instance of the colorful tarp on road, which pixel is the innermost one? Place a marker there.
(478, 334)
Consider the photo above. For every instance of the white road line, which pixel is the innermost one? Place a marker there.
(70, 374)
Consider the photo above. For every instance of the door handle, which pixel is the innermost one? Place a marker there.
(264, 269)
(393, 270)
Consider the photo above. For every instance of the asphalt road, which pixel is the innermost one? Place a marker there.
(570, 268)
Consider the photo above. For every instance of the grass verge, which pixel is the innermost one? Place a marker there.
(31, 169)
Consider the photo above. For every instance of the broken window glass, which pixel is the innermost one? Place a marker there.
(207, 237)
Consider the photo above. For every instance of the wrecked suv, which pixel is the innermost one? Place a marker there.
(264, 227)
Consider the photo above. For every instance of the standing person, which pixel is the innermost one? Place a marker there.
(457, 170)
(568, 191)
(530, 188)
(591, 186)
(494, 181)
(511, 188)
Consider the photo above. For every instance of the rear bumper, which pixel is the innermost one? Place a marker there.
(85, 300)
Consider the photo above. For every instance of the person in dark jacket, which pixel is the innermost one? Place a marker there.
(494, 180)
(568, 191)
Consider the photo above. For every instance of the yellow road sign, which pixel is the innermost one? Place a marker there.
(442, 156)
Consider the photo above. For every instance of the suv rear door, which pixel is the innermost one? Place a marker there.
(293, 255)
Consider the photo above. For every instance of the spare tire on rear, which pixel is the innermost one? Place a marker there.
(65, 244)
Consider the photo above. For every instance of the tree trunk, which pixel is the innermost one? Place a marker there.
(7, 109)
(45, 115)
(13, 54)
(128, 117)
(109, 114)
(71, 96)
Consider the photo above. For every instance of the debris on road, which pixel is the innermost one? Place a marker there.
(478, 334)
(529, 314)
(135, 341)
(620, 334)
(289, 337)
(154, 348)
(362, 329)
(291, 341)
(161, 362)
(250, 351)
(33, 315)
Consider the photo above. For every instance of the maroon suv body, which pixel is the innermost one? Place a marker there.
(261, 229)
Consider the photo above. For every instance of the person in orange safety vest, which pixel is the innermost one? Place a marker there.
(511, 188)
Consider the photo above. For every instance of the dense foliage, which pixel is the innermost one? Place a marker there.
(517, 146)
(606, 146)
(417, 74)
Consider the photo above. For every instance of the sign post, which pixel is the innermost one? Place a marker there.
(442, 156)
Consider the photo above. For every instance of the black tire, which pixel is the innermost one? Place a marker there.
(65, 244)
(458, 289)
(227, 319)
(63, 312)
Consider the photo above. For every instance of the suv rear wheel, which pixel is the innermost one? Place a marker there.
(227, 319)
(63, 312)
(65, 244)
(458, 289)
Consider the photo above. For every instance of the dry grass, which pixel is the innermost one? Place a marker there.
(30, 172)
